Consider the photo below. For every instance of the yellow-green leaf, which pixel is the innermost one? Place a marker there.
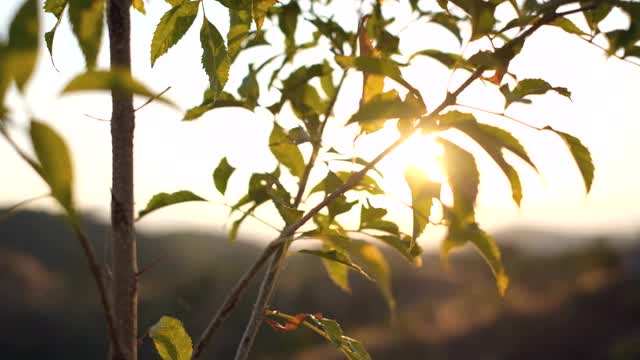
(374, 263)
(339, 257)
(581, 155)
(23, 43)
(55, 7)
(422, 193)
(86, 18)
(172, 27)
(171, 339)
(115, 79)
(463, 178)
(139, 5)
(260, 9)
(285, 152)
(239, 25)
(161, 200)
(215, 58)
(54, 159)
(221, 175)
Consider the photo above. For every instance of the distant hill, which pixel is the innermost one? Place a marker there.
(579, 303)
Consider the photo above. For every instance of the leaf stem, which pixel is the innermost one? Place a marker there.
(501, 115)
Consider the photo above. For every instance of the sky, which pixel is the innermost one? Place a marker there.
(171, 155)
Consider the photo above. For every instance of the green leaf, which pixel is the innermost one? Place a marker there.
(55, 7)
(288, 21)
(528, 87)
(221, 175)
(54, 158)
(116, 79)
(285, 152)
(422, 193)
(260, 10)
(356, 350)
(374, 263)
(581, 155)
(175, 2)
(405, 245)
(463, 178)
(379, 66)
(161, 200)
(250, 89)
(172, 27)
(339, 257)
(23, 43)
(289, 214)
(333, 331)
(449, 22)
(372, 114)
(460, 233)
(239, 25)
(338, 206)
(450, 60)
(338, 273)
(215, 58)
(224, 99)
(596, 15)
(482, 16)
(171, 339)
(86, 18)
(567, 25)
(371, 218)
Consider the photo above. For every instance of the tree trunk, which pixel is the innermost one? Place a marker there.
(124, 262)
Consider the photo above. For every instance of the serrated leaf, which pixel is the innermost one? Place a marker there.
(139, 5)
(86, 18)
(224, 99)
(449, 22)
(372, 114)
(374, 263)
(450, 60)
(463, 178)
(24, 32)
(581, 155)
(171, 339)
(423, 192)
(162, 200)
(54, 159)
(371, 218)
(260, 9)
(285, 152)
(55, 7)
(339, 257)
(116, 79)
(239, 25)
(172, 27)
(595, 16)
(379, 66)
(567, 25)
(221, 175)
(528, 87)
(461, 233)
(215, 58)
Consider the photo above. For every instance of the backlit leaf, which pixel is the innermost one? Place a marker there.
(116, 79)
(139, 5)
(422, 193)
(450, 60)
(405, 245)
(372, 114)
(581, 155)
(215, 59)
(260, 9)
(223, 99)
(221, 175)
(374, 263)
(339, 257)
(24, 32)
(161, 200)
(86, 18)
(567, 25)
(528, 87)
(239, 25)
(171, 339)
(371, 218)
(449, 22)
(55, 7)
(55, 163)
(463, 178)
(172, 27)
(285, 152)
(379, 66)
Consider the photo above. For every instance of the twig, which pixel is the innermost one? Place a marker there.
(151, 99)
(590, 41)
(10, 211)
(501, 115)
(232, 299)
(87, 248)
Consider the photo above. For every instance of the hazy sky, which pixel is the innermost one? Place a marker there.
(173, 155)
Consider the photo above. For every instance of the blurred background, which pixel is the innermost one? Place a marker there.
(574, 260)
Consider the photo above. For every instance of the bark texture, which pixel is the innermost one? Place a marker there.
(124, 259)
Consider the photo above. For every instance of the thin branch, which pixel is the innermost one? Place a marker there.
(590, 41)
(97, 118)
(501, 115)
(232, 299)
(151, 99)
(87, 249)
(10, 211)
